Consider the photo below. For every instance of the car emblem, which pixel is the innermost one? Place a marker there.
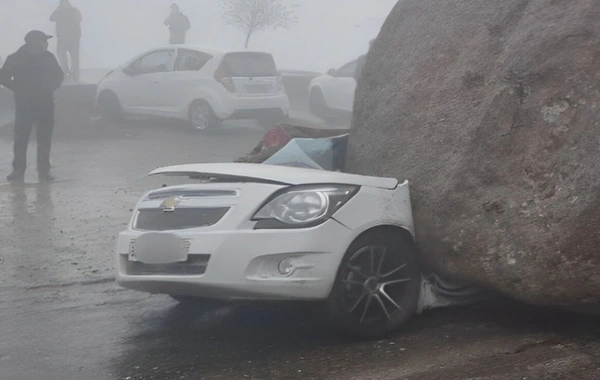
(170, 203)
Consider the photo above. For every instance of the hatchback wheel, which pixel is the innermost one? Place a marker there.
(109, 107)
(202, 117)
(378, 285)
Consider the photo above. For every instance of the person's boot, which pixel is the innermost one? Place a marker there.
(15, 177)
(45, 177)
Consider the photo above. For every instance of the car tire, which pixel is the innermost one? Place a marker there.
(377, 287)
(201, 117)
(109, 107)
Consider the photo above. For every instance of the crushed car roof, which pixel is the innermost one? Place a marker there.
(272, 173)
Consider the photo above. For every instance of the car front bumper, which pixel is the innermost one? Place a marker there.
(244, 264)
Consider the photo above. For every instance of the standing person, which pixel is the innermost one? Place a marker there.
(33, 74)
(178, 24)
(68, 31)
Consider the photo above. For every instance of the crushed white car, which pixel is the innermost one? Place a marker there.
(264, 232)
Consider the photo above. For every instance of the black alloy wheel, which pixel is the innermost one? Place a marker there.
(378, 285)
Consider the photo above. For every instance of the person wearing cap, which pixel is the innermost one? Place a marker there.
(68, 32)
(33, 74)
(178, 24)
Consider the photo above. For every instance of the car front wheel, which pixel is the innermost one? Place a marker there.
(378, 285)
(109, 107)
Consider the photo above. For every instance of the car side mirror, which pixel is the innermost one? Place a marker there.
(129, 71)
(331, 72)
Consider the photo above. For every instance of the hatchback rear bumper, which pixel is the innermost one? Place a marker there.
(253, 107)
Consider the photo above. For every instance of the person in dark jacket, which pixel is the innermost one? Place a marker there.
(68, 32)
(33, 74)
(178, 24)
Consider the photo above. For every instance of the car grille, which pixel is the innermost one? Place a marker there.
(179, 219)
(194, 266)
(186, 193)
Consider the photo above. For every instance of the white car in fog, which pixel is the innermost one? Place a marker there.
(263, 232)
(195, 84)
(332, 94)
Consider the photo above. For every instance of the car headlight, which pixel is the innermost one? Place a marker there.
(303, 206)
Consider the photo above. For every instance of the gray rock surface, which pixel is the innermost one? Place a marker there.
(491, 109)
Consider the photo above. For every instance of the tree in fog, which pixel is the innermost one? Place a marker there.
(250, 16)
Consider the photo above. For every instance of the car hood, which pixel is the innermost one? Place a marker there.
(241, 172)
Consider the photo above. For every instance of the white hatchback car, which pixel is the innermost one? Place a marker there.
(332, 94)
(264, 232)
(195, 84)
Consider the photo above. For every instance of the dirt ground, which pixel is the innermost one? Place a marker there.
(63, 317)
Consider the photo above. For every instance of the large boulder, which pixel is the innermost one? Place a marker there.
(491, 109)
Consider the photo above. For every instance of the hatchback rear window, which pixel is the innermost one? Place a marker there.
(249, 65)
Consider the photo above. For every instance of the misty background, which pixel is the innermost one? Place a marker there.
(329, 33)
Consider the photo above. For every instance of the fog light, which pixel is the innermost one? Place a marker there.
(286, 267)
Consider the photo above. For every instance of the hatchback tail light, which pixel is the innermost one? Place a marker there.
(225, 80)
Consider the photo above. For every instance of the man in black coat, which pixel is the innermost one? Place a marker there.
(33, 74)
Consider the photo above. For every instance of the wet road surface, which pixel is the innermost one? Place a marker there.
(64, 318)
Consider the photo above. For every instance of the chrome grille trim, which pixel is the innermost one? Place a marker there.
(185, 193)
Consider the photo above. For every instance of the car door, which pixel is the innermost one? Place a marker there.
(142, 92)
(340, 89)
(186, 78)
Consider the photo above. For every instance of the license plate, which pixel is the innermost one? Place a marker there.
(158, 248)
(258, 89)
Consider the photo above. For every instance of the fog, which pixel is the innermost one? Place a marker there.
(329, 32)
